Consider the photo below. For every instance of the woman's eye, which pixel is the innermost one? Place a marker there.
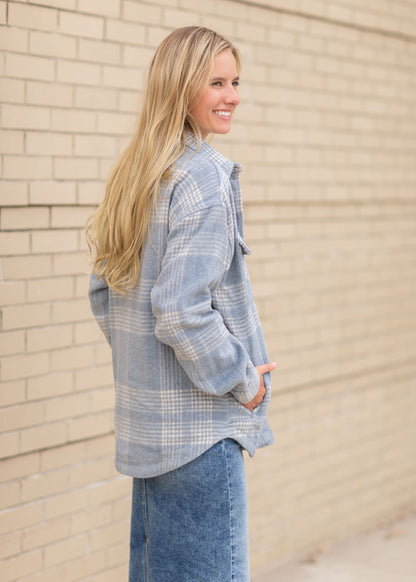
(219, 83)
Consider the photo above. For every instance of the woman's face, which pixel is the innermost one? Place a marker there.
(214, 109)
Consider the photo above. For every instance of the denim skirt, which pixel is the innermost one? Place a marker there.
(190, 525)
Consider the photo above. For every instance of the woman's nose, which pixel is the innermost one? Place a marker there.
(232, 96)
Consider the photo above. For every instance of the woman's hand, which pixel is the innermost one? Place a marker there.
(258, 399)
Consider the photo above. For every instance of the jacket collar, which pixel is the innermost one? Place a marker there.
(193, 143)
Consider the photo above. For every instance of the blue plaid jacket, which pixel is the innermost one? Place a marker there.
(186, 339)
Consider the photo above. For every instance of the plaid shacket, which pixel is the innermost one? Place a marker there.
(186, 338)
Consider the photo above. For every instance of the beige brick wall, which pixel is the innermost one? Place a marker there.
(326, 135)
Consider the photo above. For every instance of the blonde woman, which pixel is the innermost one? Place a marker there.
(171, 293)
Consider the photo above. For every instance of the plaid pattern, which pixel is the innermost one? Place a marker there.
(186, 339)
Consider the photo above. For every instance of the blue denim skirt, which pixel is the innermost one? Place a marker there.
(190, 525)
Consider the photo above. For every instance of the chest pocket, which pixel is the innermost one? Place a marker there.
(244, 250)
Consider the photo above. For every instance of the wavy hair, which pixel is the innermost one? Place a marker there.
(116, 233)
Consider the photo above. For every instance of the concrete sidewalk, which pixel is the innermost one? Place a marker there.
(388, 554)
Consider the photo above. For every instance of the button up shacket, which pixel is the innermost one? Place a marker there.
(186, 339)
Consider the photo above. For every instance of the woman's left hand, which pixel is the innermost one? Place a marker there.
(258, 399)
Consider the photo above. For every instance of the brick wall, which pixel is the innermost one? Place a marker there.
(326, 135)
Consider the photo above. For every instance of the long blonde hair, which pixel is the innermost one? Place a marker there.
(117, 232)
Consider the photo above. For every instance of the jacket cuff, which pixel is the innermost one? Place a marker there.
(248, 391)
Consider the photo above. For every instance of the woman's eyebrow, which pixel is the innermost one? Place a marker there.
(224, 79)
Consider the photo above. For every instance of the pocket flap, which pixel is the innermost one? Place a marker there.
(244, 247)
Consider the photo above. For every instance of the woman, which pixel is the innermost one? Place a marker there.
(171, 293)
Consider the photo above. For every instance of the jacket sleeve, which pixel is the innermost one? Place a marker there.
(195, 261)
(98, 295)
